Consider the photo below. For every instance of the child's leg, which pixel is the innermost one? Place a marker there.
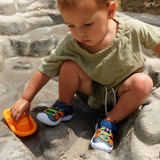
(132, 93)
(71, 79)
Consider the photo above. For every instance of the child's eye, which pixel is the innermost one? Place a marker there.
(88, 24)
(69, 25)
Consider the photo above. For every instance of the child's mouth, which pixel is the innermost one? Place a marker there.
(85, 41)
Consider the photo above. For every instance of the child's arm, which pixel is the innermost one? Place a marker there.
(23, 104)
(157, 49)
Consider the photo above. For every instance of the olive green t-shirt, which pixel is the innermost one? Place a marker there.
(113, 64)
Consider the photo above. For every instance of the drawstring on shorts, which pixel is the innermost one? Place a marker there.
(106, 96)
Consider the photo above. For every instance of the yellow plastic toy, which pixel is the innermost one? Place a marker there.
(24, 127)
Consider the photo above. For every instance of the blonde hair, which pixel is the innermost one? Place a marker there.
(68, 4)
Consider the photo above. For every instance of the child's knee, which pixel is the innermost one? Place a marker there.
(143, 83)
(69, 66)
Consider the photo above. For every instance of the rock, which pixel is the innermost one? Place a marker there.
(147, 127)
(11, 147)
(30, 29)
(39, 42)
(20, 24)
(5, 48)
(150, 19)
(1, 63)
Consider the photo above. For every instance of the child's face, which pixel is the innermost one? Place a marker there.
(88, 22)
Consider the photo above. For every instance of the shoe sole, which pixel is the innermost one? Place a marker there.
(100, 146)
(44, 119)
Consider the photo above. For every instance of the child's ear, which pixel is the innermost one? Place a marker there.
(111, 9)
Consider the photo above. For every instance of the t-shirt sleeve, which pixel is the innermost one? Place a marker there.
(149, 35)
(52, 63)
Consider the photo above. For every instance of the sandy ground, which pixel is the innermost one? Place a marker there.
(139, 6)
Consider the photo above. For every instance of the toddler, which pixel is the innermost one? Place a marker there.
(101, 61)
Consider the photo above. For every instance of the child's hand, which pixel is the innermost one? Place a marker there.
(19, 108)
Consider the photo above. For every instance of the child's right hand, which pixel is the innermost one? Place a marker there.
(23, 104)
(17, 110)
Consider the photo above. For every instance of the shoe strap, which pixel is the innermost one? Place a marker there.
(64, 106)
(109, 125)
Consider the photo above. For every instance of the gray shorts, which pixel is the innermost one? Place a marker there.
(97, 99)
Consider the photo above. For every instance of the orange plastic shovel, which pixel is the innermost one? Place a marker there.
(24, 127)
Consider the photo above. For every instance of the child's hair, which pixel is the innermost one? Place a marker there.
(68, 4)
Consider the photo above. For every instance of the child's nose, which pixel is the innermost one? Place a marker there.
(81, 31)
